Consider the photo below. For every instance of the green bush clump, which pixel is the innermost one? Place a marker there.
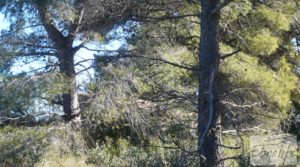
(36, 146)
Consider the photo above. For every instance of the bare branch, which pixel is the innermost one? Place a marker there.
(167, 62)
(230, 147)
(87, 68)
(296, 20)
(227, 158)
(79, 21)
(131, 54)
(85, 60)
(99, 50)
(163, 18)
(76, 48)
(238, 105)
(35, 54)
(229, 54)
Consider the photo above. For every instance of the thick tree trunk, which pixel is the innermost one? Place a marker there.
(208, 113)
(70, 101)
(65, 54)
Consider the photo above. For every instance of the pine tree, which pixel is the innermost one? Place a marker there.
(256, 76)
(47, 30)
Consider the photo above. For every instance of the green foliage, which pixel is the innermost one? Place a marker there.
(122, 153)
(22, 146)
(263, 42)
(33, 146)
(24, 96)
(278, 86)
(125, 129)
(13, 100)
(5, 60)
(175, 78)
(64, 9)
(277, 19)
(98, 37)
(57, 84)
(235, 10)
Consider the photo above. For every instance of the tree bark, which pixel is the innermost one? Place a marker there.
(65, 54)
(209, 138)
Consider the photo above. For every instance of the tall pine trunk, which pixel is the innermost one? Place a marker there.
(70, 101)
(208, 112)
(65, 54)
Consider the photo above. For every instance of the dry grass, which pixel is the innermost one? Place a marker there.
(65, 161)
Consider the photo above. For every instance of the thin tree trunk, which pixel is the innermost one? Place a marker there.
(208, 113)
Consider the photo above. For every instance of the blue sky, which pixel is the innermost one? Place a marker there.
(4, 24)
(84, 54)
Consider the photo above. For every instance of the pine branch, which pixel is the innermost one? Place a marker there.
(19, 54)
(17, 30)
(166, 62)
(162, 18)
(229, 54)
